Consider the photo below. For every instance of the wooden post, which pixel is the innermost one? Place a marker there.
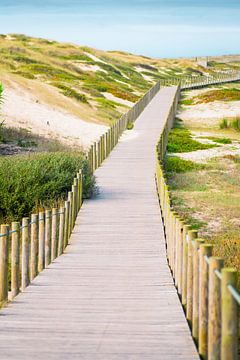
(75, 183)
(25, 253)
(180, 254)
(184, 265)
(47, 237)
(54, 233)
(191, 235)
(205, 253)
(214, 310)
(229, 343)
(15, 259)
(74, 189)
(79, 190)
(195, 320)
(4, 264)
(66, 225)
(34, 246)
(70, 199)
(61, 230)
(41, 242)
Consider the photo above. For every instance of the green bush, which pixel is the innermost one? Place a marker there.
(28, 182)
(180, 140)
(174, 164)
(130, 126)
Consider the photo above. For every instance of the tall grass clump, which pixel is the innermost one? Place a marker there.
(230, 123)
(28, 183)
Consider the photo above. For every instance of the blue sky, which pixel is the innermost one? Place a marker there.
(157, 28)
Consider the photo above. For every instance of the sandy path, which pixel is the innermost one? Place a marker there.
(22, 110)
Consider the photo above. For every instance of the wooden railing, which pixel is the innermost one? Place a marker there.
(192, 82)
(28, 247)
(206, 289)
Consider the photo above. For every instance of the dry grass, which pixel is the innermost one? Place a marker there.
(209, 199)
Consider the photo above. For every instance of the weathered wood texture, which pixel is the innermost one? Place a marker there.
(110, 296)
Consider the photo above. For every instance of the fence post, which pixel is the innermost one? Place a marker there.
(54, 233)
(15, 259)
(25, 252)
(204, 255)
(47, 237)
(4, 264)
(74, 205)
(66, 225)
(76, 189)
(191, 236)
(180, 254)
(214, 310)
(61, 230)
(195, 319)
(229, 343)
(70, 199)
(34, 246)
(184, 265)
(41, 242)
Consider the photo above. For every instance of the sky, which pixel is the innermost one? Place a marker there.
(156, 28)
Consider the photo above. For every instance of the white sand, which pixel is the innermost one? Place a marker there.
(203, 114)
(202, 156)
(94, 58)
(146, 77)
(89, 67)
(22, 110)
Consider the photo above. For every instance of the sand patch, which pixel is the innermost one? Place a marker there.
(22, 109)
(88, 67)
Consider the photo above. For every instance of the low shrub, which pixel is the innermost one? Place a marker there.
(130, 125)
(220, 140)
(69, 92)
(180, 140)
(28, 182)
(174, 164)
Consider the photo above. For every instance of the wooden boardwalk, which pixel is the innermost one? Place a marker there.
(111, 295)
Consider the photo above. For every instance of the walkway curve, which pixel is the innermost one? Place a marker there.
(111, 295)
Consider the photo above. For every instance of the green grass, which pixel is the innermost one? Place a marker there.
(226, 94)
(221, 140)
(69, 92)
(186, 102)
(180, 140)
(30, 182)
(174, 164)
(230, 124)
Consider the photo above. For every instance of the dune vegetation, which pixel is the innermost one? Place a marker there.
(203, 170)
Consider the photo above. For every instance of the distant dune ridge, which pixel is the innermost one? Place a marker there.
(71, 93)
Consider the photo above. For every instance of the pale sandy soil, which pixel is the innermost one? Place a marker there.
(204, 120)
(22, 109)
(111, 97)
(201, 115)
(89, 67)
(202, 156)
(94, 58)
(146, 77)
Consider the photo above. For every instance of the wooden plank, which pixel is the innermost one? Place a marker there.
(110, 296)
